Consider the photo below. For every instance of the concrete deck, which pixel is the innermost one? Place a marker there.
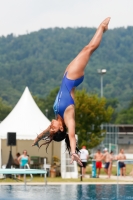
(102, 180)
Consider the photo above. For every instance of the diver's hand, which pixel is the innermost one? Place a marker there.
(75, 157)
(35, 142)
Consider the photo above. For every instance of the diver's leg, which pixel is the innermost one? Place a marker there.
(76, 68)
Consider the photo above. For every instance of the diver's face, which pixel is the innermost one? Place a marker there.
(55, 126)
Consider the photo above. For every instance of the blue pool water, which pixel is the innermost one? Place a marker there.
(67, 192)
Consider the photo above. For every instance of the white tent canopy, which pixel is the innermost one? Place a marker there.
(26, 119)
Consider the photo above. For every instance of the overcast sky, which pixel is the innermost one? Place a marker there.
(22, 16)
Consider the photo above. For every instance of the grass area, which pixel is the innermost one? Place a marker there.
(40, 179)
(57, 179)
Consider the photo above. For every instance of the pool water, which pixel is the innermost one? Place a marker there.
(67, 192)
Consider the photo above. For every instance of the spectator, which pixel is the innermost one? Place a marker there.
(98, 157)
(84, 155)
(23, 160)
(121, 156)
(106, 158)
(16, 162)
(111, 163)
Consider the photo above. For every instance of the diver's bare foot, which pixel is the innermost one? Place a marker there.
(105, 23)
(75, 157)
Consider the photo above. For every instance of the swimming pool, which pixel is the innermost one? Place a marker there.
(67, 192)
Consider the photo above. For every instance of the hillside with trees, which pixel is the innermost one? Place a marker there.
(38, 60)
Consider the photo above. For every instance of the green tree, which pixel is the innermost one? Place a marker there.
(4, 110)
(38, 60)
(114, 103)
(126, 115)
(91, 112)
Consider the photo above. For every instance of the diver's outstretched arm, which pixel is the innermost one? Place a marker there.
(72, 139)
(40, 136)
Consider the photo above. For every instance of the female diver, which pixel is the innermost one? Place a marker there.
(64, 103)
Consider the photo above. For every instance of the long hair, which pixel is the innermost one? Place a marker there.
(67, 141)
(58, 137)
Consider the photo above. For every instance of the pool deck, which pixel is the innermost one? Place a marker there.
(103, 179)
(70, 183)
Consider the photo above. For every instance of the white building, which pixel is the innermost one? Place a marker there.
(117, 136)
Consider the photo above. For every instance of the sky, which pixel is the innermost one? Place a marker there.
(26, 16)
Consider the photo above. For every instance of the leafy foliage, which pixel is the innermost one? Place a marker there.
(38, 60)
(114, 103)
(4, 110)
(91, 112)
(126, 115)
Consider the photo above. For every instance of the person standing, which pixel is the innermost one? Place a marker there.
(98, 157)
(23, 160)
(121, 156)
(84, 155)
(111, 163)
(16, 162)
(106, 157)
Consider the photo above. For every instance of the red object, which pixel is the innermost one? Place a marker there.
(99, 164)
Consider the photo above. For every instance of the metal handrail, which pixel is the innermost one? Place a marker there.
(27, 165)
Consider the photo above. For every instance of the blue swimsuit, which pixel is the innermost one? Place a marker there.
(24, 161)
(63, 98)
